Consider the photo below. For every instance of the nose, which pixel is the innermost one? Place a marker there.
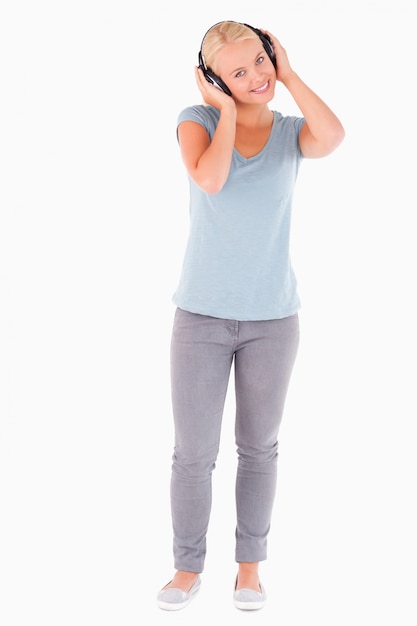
(256, 75)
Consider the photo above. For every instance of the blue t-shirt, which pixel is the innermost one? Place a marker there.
(237, 260)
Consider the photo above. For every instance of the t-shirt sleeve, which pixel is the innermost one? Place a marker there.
(293, 126)
(203, 115)
(298, 124)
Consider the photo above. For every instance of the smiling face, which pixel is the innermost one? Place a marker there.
(248, 71)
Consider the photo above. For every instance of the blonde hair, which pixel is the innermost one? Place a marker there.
(219, 36)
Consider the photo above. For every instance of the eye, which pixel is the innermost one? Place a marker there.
(260, 60)
(239, 74)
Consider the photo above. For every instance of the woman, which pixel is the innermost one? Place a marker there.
(237, 301)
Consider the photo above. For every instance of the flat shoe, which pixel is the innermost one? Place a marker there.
(173, 599)
(248, 599)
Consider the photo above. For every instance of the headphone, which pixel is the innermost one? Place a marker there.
(215, 80)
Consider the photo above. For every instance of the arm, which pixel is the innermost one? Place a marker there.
(208, 162)
(322, 132)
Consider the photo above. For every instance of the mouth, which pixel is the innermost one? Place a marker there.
(262, 89)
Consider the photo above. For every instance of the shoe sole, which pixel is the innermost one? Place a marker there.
(249, 606)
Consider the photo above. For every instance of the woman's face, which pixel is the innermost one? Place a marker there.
(248, 71)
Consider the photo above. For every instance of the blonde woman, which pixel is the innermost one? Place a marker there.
(236, 302)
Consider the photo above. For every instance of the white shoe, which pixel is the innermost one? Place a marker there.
(173, 599)
(248, 599)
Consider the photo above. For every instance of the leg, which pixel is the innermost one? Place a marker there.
(264, 363)
(201, 357)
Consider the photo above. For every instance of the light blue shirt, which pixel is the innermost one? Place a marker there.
(237, 259)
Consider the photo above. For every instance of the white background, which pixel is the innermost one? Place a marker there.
(94, 214)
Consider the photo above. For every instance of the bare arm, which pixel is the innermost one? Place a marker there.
(322, 132)
(208, 162)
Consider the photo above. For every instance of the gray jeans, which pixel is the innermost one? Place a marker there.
(202, 352)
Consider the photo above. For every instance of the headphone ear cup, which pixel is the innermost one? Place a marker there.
(215, 80)
(211, 77)
(269, 48)
(266, 42)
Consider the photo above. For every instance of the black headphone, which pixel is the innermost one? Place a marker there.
(215, 80)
